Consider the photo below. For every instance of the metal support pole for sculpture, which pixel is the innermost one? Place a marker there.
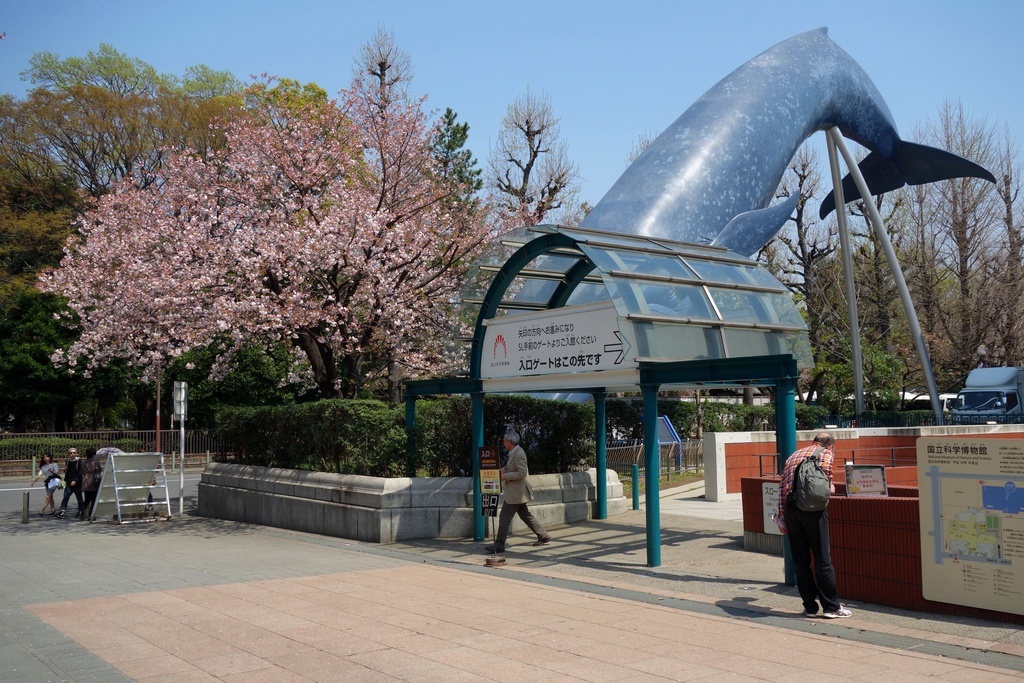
(897, 272)
(851, 291)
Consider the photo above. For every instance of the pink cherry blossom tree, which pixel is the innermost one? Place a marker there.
(325, 225)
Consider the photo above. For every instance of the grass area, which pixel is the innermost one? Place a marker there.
(668, 481)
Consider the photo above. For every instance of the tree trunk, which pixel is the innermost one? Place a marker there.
(321, 361)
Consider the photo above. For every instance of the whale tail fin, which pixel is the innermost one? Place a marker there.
(912, 164)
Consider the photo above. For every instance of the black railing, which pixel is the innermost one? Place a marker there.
(686, 456)
(913, 418)
(27, 445)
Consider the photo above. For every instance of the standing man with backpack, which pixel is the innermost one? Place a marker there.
(803, 515)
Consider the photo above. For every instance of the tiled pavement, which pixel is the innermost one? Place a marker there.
(204, 600)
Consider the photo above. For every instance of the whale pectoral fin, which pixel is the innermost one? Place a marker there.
(913, 165)
(747, 232)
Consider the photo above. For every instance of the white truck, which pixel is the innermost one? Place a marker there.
(990, 395)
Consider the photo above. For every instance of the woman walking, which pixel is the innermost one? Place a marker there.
(50, 473)
(92, 475)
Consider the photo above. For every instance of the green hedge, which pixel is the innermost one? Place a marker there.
(558, 436)
(368, 437)
(348, 437)
(27, 447)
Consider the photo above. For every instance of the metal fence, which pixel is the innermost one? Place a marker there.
(27, 444)
(686, 456)
(890, 456)
(917, 418)
(20, 452)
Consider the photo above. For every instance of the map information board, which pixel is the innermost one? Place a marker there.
(972, 521)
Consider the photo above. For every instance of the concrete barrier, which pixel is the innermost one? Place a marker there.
(379, 510)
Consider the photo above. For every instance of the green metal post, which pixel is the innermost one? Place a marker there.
(478, 442)
(785, 441)
(601, 510)
(653, 475)
(636, 486)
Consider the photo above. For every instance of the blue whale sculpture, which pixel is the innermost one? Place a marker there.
(711, 176)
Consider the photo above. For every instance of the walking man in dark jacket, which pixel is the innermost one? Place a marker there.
(72, 482)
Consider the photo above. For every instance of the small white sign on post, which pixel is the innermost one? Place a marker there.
(770, 499)
(181, 414)
(180, 401)
(866, 480)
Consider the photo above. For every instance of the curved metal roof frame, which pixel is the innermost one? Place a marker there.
(743, 311)
(507, 274)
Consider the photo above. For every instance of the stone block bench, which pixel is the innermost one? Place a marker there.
(379, 510)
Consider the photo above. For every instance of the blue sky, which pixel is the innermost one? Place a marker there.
(613, 70)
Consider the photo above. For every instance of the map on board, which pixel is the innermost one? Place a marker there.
(973, 535)
(972, 521)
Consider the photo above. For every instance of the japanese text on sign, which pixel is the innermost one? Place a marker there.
(572, 339)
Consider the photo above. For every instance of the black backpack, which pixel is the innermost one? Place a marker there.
(811, 487)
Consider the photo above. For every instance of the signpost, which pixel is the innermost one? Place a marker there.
(180, 414)
(490, 506)
(490, 471)
(490, 485)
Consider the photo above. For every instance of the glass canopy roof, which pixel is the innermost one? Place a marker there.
(674, 300)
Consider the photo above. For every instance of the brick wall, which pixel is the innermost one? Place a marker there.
(753, 454)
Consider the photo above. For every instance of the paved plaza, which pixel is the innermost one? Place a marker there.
(197, 599)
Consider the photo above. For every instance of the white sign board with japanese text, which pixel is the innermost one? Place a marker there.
(866, 480)
(770, 499)
(562, 340)
(972, 521)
